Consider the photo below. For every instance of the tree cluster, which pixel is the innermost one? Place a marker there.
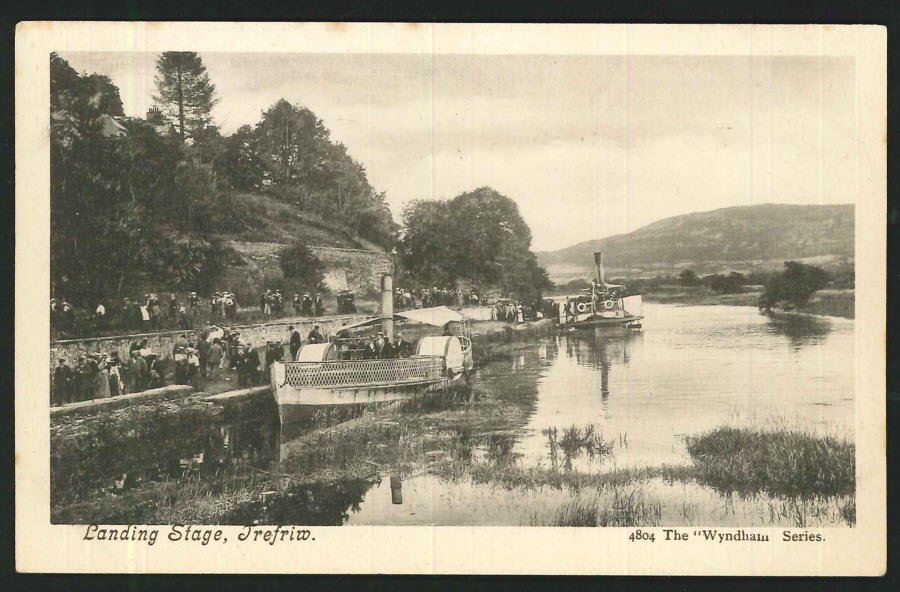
(298, 263)
(794, 286)
(289, 154)
(131, 201)
(477, 237)
(125, 201)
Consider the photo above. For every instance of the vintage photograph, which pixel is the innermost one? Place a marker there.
(503, 290)
(614, 291)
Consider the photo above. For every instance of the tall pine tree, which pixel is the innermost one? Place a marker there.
(183, 91)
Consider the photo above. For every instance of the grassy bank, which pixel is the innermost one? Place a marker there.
(832, 303)
(778, 462)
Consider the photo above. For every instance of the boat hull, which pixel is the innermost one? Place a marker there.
(598, 321)
(295, 403)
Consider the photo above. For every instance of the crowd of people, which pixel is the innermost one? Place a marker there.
(196, 359)
(154, 312)
(405, 298)
(513, 312)
(375, 347)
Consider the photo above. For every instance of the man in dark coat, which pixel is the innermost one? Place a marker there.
(274, 353)
(388, 351)
(403, 347)
(315, 336)
(296, 342)
(137, 370)
(62, 384)
(369, 350)
(203, 353)
(319, 305)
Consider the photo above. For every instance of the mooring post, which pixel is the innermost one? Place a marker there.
(396, 489)
(387, 306)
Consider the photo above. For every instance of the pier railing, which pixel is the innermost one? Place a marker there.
(365, 373)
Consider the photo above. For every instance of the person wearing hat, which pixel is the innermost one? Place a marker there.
(402, 347)
(307, 304)
(138, 371)
(62, 383)
(116, 386)
(247, 365)
(156, 376)
(379, 345)
(315, 336)
(100, 385)
(203, 346)
(319, 305)
(388, 351)
(296, 342)
(214, 359)
(274, 353)
(193, 366)
(369, 352)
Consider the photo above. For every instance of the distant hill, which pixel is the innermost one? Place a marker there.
(737, 238)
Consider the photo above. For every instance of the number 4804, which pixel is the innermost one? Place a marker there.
(640, 535)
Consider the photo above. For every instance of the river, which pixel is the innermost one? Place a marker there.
(595, 402)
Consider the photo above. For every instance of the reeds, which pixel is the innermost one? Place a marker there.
(619, 505)
(779, 462)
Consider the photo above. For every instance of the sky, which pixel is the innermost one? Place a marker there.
(588, 145)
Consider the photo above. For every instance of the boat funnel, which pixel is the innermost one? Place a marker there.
(598, 262)
(387, 306)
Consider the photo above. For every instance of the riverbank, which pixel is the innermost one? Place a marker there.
(832, 303)
(462, 440)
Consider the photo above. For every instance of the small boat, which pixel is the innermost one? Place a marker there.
(333, 374)
(603, 305)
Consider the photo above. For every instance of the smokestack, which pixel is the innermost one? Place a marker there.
(598, 261)
(387, 306)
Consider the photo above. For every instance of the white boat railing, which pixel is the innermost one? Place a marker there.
(365, 373)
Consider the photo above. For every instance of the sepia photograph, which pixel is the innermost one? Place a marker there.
(598, 291)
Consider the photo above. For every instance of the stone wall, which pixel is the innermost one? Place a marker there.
(162, 343)
(353, 269)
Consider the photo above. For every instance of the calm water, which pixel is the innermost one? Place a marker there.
(690, 370)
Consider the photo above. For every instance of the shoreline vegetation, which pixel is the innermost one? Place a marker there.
(829, 303)
(464, 436)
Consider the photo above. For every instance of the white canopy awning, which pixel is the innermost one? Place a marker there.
(437, 316)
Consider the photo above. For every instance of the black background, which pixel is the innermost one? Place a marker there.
(763, 12)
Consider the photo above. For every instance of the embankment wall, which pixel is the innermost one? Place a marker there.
(162, 343)
(353, 269)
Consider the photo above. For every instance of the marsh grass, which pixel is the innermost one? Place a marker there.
(588, 439)
(779, 462)
(617, 505)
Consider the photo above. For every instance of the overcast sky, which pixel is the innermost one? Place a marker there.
(588, 146)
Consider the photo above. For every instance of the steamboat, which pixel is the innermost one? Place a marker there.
(338, 373)
(603, 305)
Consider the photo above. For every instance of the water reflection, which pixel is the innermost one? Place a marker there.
(594, 401)
(801, 330)
(312, 504)
(691, 370)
